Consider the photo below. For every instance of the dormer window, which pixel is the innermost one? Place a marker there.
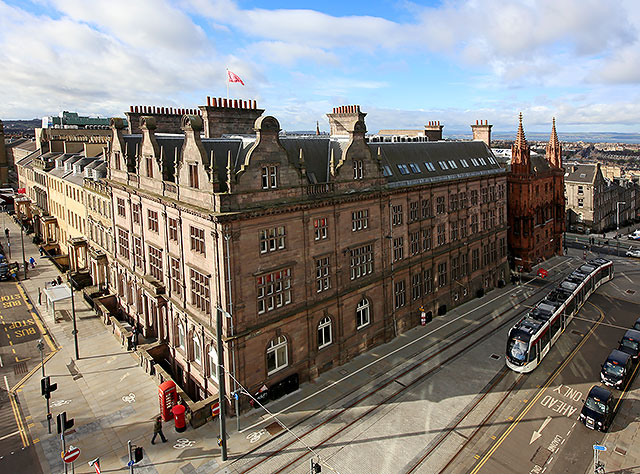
(269, 177)
(358, 169)
(149, 162)
(193, 175)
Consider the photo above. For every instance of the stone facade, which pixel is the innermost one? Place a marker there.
(536, 202)
(318, 248)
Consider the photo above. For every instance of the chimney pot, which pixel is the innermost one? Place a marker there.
(214, 102)
(208, 101)
(224, 102)
(235, 103)
(131, 108)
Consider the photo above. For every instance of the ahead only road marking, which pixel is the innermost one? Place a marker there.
(539, 394)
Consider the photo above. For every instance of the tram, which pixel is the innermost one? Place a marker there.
(532, 337)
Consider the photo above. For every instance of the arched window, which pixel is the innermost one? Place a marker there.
(181, 338)
(213, 364)
(324, 332)
(197, 349)
(277, 357)
(362, 314)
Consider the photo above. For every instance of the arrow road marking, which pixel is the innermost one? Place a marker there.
(537, 434)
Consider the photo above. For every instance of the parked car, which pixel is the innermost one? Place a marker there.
(617, 369)
(633, 253)
(636, 326)
(630, 343)
(635, 235)
(598, 410)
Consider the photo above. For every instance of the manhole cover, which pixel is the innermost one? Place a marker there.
(274, 428)
(541, 456)
(621, 451)
(20, 368)
(631, 291)
(494, 356)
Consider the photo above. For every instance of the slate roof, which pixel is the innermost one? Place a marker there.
(580, 173)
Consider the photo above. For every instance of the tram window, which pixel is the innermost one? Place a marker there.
(533, 352)
(544, 340)
(555, 326)
(571, 305)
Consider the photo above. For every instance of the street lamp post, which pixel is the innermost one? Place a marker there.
(73, 312)
(24, 258)
(618, 214)
(41, 349)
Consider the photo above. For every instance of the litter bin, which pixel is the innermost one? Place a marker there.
(178, 418)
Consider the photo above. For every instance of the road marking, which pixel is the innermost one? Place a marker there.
(630, 280)
(538, 434)
(10, 435)
(522, 289)
(539, 394)
(36, 318)
(16, 415)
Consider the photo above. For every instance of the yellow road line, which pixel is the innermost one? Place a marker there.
(32, 371)
(36, 319)
(538, 395)
(16, 415)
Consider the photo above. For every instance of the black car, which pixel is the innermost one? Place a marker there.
(630, 343)
(617, 369)
(598, 409)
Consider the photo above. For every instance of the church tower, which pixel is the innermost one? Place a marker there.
(554, 149)
(520, 154)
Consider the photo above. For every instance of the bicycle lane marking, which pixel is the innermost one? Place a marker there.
(535, 399)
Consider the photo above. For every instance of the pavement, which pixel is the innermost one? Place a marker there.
(112, 400)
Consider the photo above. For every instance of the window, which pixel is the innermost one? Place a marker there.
(123, 243)
(149, 162)
(464, 163)
(442, 274)
(176, 278)
(155, 263)
(272, 239)
(464, 264)
(152, 220)
(482, 162)
(138, 261)
(501, 216)
(398, 248)
(361, 261)
(121, 209)
(442, 237)
(430, 166)
(428, 281)
(426, 208)
(274, 290)
(474, 197)
(485, 255)
(213, 364)
(453, 230)
(400, 294)
(363, 316)
(197, 350)
(463, 200)
(396, 215)
(358, 166)
(320, 228)
(427, 239)
(116, 159)
(269, 177)
(414, 242)
(474, 223)
(173, 229)
(580, 189)
(359, 220)
(485, 195)
(443, 165)
(324, 332)
(277, 357)
(200, 291)
(463, 228)
(414, 167)
(416, 286)
(455, 267)
(413, 211)
(197, 240)
(135, 213)
(386, 170)
(181, 338)
(323, 279)
(440, 205)
(193, 175)
(485, 221)
(404, 169)
(580, 202)
(452, 164)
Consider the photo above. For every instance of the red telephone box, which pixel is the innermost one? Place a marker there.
(168, 397)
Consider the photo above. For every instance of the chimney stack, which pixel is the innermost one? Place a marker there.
(433, 131)
(344, 118)
(482, 132)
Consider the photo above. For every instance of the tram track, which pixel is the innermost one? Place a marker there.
(403, 388)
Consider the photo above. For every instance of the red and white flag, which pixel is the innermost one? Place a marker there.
(233, 77)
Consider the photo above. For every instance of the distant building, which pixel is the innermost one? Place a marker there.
(536, 208)
(4, 170)
(72, 120)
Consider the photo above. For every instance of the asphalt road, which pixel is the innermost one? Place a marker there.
(544, 434)
(19, 354)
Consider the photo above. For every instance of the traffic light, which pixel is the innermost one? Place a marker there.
(137, 454)
(63, 423)
(47, 387)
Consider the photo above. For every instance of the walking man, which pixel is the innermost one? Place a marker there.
(32, 261)
(157, 430)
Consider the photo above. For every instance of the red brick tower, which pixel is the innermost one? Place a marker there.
(554, 149)
(520, 154)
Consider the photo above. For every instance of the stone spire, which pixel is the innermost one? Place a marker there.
(520, 154)
(317, 127)
(554, 149)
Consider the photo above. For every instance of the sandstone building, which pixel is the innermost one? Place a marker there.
(536, 209)
(318, 248)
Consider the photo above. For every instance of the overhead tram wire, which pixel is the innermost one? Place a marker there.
(309, 448)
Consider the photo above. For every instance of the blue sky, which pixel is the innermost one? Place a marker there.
(405, 63)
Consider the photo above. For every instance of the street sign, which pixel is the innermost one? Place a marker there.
(597, 447)
(71, 455)
(215, 409)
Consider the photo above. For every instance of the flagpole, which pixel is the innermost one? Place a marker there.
(227, 84)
